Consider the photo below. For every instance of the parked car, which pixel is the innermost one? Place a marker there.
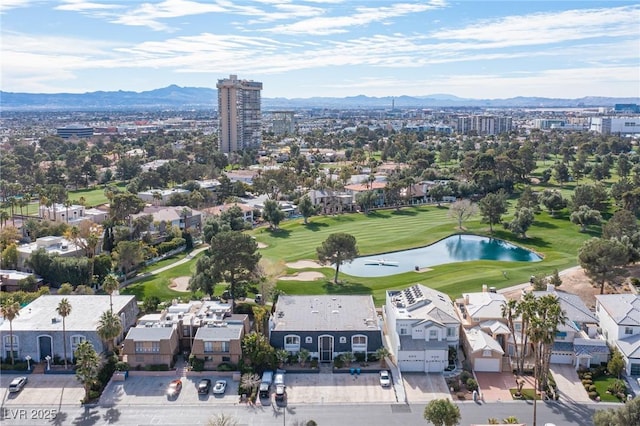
(385, 379)
(220, 387)
(204, 386)
(174, 388)
(281, 392)
(17, 384)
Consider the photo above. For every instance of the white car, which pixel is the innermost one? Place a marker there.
(17, 384)
(385, 379)
(220, 387)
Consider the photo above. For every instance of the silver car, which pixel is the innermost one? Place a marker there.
(17, 384)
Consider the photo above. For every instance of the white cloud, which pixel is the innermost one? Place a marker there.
(362, 16)
(83, 6)
(6, 5)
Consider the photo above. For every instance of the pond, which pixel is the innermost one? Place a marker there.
(456, 248)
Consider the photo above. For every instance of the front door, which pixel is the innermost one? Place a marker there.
(45, 347)
(325, 344)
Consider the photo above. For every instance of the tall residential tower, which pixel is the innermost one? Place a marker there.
(239, 114)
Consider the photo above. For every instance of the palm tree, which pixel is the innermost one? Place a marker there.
(10, 310)
(64, 309)
(222, 420)
(110, 285)
(87, 366)
(382, 353)
(249, 382)
(508, 311)
(109, 327)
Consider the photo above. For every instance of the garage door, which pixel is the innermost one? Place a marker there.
(411, 365)
(487, 364)
(561, 358)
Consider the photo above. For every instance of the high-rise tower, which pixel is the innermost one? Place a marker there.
(239, 114)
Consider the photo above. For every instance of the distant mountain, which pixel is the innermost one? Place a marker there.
(176, 97)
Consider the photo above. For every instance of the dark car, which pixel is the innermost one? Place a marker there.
(204, 386)
(17, 384)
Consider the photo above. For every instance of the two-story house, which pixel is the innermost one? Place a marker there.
(619, 316)
(151, 345)
(325, 325)
(421, 325)
(220, 341)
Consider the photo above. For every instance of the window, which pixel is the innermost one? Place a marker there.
(147, 347)
(517, 326)
(308, 339)
(451, 331)
(6, 349)
(433, 334)
(359, 343)
(292, 343)
(76, 339)
(226, 359)
(210, 346)
(628, 330)
(343, 339)
(486, 353)
(403, 332)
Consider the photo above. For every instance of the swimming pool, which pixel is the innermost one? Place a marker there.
(456, 248)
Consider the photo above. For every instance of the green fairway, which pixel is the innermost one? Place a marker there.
(556, 239)
(158, 285)
(92, 196)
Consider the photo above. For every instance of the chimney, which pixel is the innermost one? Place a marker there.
(466, 299)
(484, 288)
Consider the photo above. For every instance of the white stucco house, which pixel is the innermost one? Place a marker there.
(421, 325)
(619, 316)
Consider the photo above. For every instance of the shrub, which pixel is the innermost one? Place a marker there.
(455, 385)
(472, 384)
(314, 363)
(338, 362)
(587, 382)
(593, 394)
(617, 386)
(464, 376)
(461, 395)
(591, 388)
(360, 356)
(157, 367)
(197, 364)
(122, 366)
(227, 366)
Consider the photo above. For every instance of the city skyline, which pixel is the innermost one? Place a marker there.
(334, 48)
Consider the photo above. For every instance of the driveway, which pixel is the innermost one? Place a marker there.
(150, 390)
(495, 386)
(569, 385)
(423, 387)
(337, 388)
(42, 391)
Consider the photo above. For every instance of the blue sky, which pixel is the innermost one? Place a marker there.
(306, 48)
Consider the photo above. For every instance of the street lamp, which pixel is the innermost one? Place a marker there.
(48, 359)
(28, 359)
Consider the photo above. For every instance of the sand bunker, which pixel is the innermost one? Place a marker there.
(302, 264)
(303, 276)
(180, 284)
(262, 245)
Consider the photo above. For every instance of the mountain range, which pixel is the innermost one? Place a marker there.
(176, 97)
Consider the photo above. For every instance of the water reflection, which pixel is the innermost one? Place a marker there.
(457, 248)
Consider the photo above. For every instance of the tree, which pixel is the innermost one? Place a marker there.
(586, 216)
(129, 255)
(9, 259)
(87, 366)
(529, 199)
(306, 207)
(522, 221)
(626, 415)
(65, 289)
(555, 279)
(123, 205)
(511, 420)
(272, 213)
(438, 192)
(64, 310)
(595, 196)
(382, 353)
(601, 259)
(616, 365)
(622, 223)
(150, 304)
(110, 285)
(552, 200)
(492, 207)
(509, 311)
(257, 351)
(442, 412)
(336, 249)
(10, 310)
(561, 173)
(461, 211)
(232, 257)
(109, 327)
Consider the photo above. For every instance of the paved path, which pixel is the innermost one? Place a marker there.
(185, 259)
(569, 385)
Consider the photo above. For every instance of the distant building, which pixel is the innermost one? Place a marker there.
(616, 125)
(628, 108)
(74, 131)
(484, 124)
(239, 114)
(283, 123)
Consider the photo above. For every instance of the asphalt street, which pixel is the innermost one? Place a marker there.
(338, 414)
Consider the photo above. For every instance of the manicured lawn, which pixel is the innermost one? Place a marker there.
(555, 238)
(158, 285)
(602, 384)
(93, 196)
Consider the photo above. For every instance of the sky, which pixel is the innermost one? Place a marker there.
(307, 48)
